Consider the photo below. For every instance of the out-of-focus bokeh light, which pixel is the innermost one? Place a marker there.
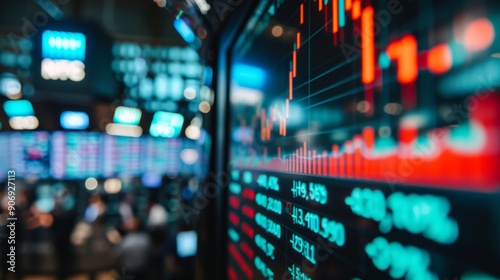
(112, 185)
(189, 93)
(24, 123)
(193, 132)
(91, 184)
(277, 31)
(439, 59)
(189, 156)
(10, 87)
(204, 107)
(363, 106)
(479, 35)
(123, 130)
(393, 108)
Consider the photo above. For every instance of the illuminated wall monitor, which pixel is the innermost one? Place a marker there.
(74, 120)
(372, 152)
(63, 56)
(127, 115)
(166, 124)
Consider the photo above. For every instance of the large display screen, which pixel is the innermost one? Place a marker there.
(73, 155)
(29, 154)
(76, 155)
(364, 141)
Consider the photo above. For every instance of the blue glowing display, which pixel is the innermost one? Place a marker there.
(166, 124)
(151, 180)
(63, 45)
(184, 30)
(18, 108)
(74, 120)
(187, 243)
(127, 115)
(249, 76)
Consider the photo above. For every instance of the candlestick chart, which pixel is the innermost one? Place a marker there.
(361, 131)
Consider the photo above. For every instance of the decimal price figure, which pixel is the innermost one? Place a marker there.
(303, 247)
(333, 231)
(297, 273)
(312, 191)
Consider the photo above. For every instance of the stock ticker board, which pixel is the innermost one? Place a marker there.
(364, 141)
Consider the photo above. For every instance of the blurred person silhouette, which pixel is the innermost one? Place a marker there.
(133, 250)
(62, 227)
(126, 210)
(95, 210)
(157, 220)
(157, 226)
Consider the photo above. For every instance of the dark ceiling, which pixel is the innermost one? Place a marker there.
(135, 20)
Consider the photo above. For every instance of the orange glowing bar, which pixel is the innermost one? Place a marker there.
(356, 9)
(320, 5)
(301, 13)
(281, 126)
(367, 46)
(335, 16)
(408, 63)
(369, 137)
(279, 152)
(439, 59)
(294, 63)
(341, 164)
(273, 114)
(335, 153)
(348, 5)
(298, 40)
(290, 85)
